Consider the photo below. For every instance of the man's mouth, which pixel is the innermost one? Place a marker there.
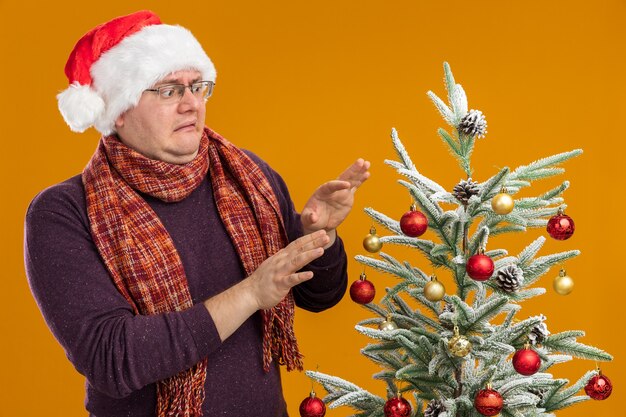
(186, 126)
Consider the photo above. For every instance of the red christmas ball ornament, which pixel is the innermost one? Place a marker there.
(413, 223)
(397, 407)
(312, 406)
(488, 401)
(560, 226)
(526, 361)
(362, 291)
(479, 267)
(599, 387)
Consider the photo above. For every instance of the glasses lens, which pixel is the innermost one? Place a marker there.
(169, 92)
(202, 89)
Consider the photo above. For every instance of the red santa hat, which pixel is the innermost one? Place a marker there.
(111, 66)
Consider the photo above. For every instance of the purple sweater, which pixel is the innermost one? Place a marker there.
(123, 355)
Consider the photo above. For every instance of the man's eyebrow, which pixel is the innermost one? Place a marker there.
(176, 81)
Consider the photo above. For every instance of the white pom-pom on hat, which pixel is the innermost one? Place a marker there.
(80, 106)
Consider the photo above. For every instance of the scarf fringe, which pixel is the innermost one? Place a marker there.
(282, 346)
(183, 394)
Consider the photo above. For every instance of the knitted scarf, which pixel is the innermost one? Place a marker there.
(144, 264)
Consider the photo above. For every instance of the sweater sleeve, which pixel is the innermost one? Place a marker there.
(330, 277)
(117, 351)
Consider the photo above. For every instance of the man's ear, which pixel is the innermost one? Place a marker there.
(119, 122)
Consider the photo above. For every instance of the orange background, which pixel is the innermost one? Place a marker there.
(310, 86)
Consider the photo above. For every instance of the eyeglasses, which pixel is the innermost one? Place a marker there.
(174, 92)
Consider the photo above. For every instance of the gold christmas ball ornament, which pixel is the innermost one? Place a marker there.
(502, 203)
(563, 284)
(434, 290)
(372, 242)
(459, 345)
(387, 325)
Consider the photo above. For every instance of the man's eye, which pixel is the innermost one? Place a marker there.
(196, 88)
(167, 92)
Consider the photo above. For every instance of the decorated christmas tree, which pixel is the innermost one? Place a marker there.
(466, 351)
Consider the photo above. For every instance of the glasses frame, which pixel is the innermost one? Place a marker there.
(180, 90)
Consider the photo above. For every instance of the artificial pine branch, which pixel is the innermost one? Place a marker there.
(527, 203)
(568, 345)
(444, 110)
(526, 172)
(569, 334)
(515, 334)
(391, 224)
(512, 310)
(376, 309)
(554, 192)
(523, 295)
(463, 145)
(339, 388)
(541, 213)
(488, 310)
(513, 186)
(552, 388)
(541, 265)
(493, 185)
(525, 257)
(425, 246)
(539, 223)
(499, 230)
(453, 144)
(382, 266)
(401, 151)
(404, 307)
(502, 262)
(425, 184)
(478, 240)
(399, 288)
(373, 349)
(564, 397)
(480, 295)
(456, 95)
(551, 360)
(430, 208)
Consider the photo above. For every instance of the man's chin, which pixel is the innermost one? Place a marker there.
(180, 158)
(181, 155)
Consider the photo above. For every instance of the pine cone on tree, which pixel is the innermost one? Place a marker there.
(510, 278)
(435, 407)
(464, 190)
(539, 333)
(474, 124)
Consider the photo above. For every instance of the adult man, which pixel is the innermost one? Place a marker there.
(168, 271)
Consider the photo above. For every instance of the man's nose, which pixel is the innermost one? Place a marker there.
(188, 101)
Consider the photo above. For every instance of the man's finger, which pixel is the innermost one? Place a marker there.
(297, 261)
(356, 173)
(308, 242)
(334, 186)
(297, 278)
